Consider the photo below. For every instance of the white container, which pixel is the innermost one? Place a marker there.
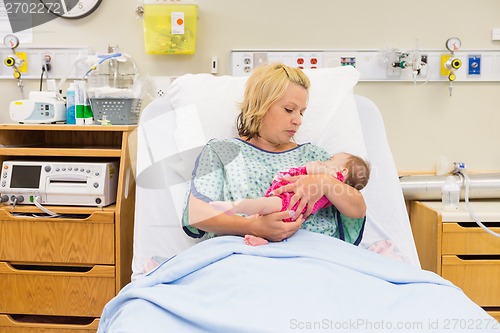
(450, 194)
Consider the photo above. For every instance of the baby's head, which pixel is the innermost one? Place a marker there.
(356, 171)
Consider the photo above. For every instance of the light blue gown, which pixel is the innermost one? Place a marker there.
(233, 169)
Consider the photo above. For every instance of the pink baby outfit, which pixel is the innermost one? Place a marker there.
(278, 182)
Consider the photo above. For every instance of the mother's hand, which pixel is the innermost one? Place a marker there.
(307, 189)
(272, 227)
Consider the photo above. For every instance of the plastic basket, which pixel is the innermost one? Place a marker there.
(118, 111)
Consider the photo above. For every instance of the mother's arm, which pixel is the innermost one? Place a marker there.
(308, 189)
(271, 227)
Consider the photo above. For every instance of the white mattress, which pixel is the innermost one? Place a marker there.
(161, 188)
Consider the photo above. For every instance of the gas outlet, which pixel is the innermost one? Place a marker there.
(474, 68)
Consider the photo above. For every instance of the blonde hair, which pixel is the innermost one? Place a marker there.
(266, 85)
(358, 172)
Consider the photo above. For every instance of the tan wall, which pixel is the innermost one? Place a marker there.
(422, 122)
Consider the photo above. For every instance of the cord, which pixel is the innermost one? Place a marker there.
(45, 70)
(20, 84)
(469, 208)
(14, 202)
(102, 59)
(41, 78)
(39, 205)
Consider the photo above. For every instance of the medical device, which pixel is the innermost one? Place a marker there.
(450, 62)
(479, 186)
(15, 61)
(460, 169)
(40, 108)
(59, 183)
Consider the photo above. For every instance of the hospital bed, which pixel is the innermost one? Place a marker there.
(309, 282)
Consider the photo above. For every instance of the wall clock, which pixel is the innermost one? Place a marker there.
(71, 9)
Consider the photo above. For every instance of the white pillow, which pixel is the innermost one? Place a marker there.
(343, 132)
(216, 100)
(331, 120)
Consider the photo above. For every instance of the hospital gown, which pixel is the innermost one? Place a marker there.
(233, 169)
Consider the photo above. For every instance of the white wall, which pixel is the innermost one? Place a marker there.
(422, 122)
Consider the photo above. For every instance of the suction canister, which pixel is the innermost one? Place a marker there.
(450, 194)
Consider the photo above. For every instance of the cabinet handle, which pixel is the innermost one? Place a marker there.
(479, 256)
(474, 225)
(33, 269)
(66, 269)
(30, 321)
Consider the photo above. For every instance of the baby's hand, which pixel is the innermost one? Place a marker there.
(272, 227)
(307, 191)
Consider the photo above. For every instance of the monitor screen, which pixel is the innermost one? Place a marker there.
(25, 176)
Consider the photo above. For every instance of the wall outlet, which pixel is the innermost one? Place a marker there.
(46, 61)
(474, 65)
(63, 62)
(376, 65)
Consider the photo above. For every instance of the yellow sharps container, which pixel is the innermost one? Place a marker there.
(170, 28)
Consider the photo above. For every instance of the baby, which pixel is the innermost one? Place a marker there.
(347, 168)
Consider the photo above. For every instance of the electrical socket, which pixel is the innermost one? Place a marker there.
(161, 83)
(46, 62)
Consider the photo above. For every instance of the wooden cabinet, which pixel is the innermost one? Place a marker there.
(452, 245)
(56, 274)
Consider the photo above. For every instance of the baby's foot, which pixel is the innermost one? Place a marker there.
(254, 240)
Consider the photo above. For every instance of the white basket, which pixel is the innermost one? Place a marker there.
(118, 111)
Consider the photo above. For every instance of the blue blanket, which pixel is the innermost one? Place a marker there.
(310, 282)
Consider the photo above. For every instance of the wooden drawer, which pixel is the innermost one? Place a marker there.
(56, 291)
(11, 325)
(469, 238)
(496, 315)
(89, 240)
(477, 278)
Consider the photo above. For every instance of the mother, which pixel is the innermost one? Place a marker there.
(275, 100)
